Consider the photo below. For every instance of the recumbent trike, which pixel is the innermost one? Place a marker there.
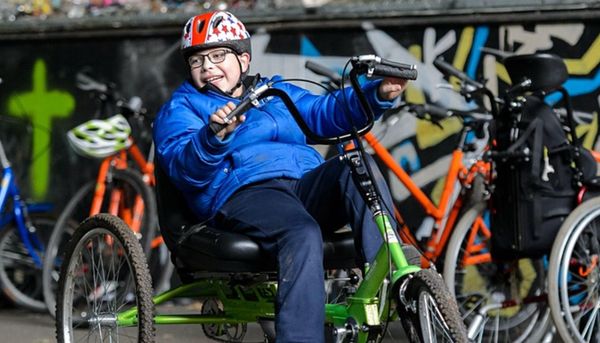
(105, 288)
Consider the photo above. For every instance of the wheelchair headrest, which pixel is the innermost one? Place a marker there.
(547, 72)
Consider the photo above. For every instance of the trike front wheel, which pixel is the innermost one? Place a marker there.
(427, 310)
(104, 291)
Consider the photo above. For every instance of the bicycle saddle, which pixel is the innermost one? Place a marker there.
(199, 247)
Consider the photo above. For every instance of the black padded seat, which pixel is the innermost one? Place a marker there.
(201, 248)
(206, 248)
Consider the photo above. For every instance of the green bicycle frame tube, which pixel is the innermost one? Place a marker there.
(362, 305)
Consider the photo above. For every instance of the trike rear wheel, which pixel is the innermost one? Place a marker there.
(104, 291)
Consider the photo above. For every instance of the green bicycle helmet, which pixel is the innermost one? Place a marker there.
(98, 138)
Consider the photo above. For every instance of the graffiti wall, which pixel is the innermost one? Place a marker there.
(39, 85)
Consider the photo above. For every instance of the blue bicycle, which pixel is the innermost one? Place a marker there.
(24, 232)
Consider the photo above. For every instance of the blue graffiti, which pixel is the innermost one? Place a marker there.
(481, 36)
(307, 48)
(575, 87)
(408, 164)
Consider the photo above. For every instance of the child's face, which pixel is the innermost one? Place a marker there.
(219, 67)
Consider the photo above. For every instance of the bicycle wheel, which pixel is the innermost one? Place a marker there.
(20, 276)
(104, 274)
(75, 212)
(573, 287)
(427, 311)
(78, 208)
(485, 289)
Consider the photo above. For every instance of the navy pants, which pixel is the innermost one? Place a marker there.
(288, 218)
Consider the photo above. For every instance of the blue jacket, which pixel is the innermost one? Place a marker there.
(269, 144)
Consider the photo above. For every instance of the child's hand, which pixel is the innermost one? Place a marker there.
(390, 88)
(219, 117)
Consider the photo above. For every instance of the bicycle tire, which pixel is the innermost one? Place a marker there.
(20, 277)
(92, 291)
(503, 325)
(570, 292)
(77, 209)
(61, 233)
(427, 311)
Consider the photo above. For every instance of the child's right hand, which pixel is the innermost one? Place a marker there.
(219, 117)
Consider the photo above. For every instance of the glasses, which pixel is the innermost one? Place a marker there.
(215, 57)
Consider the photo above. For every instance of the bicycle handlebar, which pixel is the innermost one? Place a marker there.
(241, 108)
(438, 113)
(378, 66)
(133, 106)
(369, 64)
(87, 83)
(480, 88)
(323, 71)
(449, 69)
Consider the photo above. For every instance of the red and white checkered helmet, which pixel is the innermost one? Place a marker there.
(214, 29)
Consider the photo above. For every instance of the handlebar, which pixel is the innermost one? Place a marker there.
(368, 64)
(87, 83)
(323, 71)
(131, 107)
(438, 113)
(377, 66)
(242, 107)
(477, 87)
(449, 69)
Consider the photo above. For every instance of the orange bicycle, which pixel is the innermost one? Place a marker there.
(123, 186)
(466, 166)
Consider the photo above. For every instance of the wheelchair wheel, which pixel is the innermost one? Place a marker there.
(427, 311)
(481, 286)
(574, 275)
(103, 275)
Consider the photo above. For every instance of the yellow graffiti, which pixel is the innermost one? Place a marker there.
(588, 62)
(40, 106)
(502, 73)
(589, 131)
(462, 51)
(428, 134)
(583, 66)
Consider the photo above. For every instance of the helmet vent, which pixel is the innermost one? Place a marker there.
(200, 26)
(217, 22)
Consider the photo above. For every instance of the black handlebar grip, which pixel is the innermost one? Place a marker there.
(241, 108)
(382, 70)
(436, 111)
(323, 71)
(449, 69)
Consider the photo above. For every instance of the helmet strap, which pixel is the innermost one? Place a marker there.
(242, 76)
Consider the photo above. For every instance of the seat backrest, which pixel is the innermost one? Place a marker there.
(174, 215)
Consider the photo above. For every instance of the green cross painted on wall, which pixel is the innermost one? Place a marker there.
(41, 106)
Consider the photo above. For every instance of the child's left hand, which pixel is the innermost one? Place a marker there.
(390, 88)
